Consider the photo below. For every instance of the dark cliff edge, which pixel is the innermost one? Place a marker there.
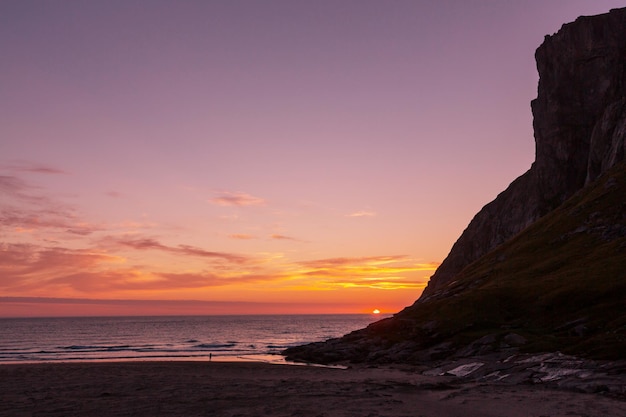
(542, 268)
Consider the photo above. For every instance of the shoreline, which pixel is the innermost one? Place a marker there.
(268, 359)
(221, 388)
(261, 358)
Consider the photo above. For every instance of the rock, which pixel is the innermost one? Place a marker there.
(553, 370)
(464, 370)
(514, 339)
(484, 345)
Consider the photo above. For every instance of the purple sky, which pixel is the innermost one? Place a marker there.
(257, 150)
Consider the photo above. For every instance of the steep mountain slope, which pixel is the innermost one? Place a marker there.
(579, 123)
(543, 266)
(560, 285)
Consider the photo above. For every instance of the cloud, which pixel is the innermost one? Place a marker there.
(18, 189)
(25, 208)
(28, 269)
(362, 213)
(11, 184)
(187, 250)
(25, 219)
(237, 199)
(379, 272)
(283, 237)
(50, 306)
(242, 236)
(339, 262)
(27, 266)
(32, 269)
(386, 283)
(24, 166)
(207, 279)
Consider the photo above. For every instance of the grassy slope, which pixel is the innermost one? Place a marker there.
(561, 284)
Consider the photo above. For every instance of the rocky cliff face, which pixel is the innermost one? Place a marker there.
(580, 132)
(540, 268)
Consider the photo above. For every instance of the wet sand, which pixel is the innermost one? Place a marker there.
(258, 389)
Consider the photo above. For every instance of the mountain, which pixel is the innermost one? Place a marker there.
(542, 268)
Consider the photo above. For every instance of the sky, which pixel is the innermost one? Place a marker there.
(254, 157)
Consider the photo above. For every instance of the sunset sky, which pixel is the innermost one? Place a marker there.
(225, 157)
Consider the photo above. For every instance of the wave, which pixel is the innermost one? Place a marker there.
(96, 348)
(216, 345)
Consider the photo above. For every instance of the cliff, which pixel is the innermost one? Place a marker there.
(540, 268)
(579, 121)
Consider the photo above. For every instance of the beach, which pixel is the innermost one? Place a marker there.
(176, 388)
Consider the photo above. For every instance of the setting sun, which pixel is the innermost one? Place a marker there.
(376, 311)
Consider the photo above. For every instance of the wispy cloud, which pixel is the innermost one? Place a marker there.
(21, 220)
(105, 268)
(339, 262)
(362, 213)
(36, 270)
(137, 280)
(34, 306)
(186, 250)
(242, 236)
(237, 199)
(208, 279)
(24, 166)
(283, 237)
(16, 188)
(26, 208)
(381, 272)
(27, 266)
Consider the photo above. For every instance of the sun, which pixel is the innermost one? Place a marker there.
(376, 311)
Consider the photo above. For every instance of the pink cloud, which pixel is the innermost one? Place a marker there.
(283, 237)
(24, 166)
(34, 306)
(47, 218)
(337, 262)
(25, 208)
(206, 279)
(28, 268)
(237, 199)
(362, 213)
(18, 189)
(153, 244)
(242, 236)
(25, 266)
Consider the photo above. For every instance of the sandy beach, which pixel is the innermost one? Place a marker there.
(258, 389)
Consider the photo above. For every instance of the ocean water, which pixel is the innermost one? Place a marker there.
(255, 338)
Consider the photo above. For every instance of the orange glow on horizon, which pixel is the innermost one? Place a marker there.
(50, 307)
(229, 283)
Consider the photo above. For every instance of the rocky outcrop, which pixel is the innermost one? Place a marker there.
(580, 132)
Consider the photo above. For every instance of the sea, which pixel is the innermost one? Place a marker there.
(220, 338)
